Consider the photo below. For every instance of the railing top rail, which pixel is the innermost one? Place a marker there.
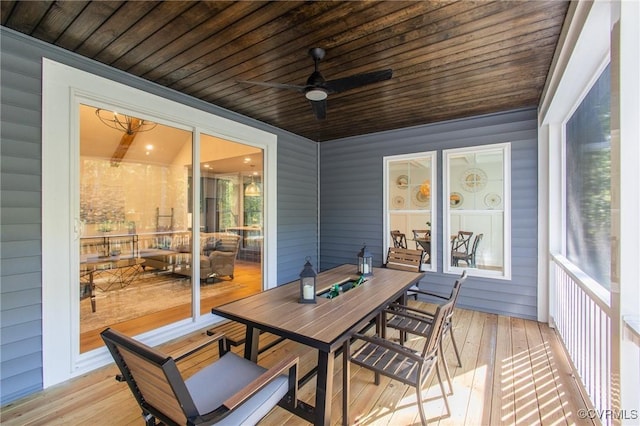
(600, 295)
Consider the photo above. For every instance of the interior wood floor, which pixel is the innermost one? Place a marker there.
(247, 281)
(514, 372)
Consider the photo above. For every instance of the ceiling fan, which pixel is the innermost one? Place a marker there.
(317, 88)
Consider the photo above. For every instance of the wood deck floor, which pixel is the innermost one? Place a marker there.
(513, 372)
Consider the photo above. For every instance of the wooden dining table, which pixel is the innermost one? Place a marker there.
(325, 325)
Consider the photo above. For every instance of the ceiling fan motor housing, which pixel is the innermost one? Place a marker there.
(317, 88)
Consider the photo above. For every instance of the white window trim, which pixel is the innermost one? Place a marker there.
(63, 88)
(433, 155)
(576, 68)
(589, 34)
(506, 203)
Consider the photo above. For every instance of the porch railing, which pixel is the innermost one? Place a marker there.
(582, 316)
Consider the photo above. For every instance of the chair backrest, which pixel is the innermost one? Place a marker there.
(461, 242)
(399, 239)
(153, 378)
(435, 333)
(476, 243)
(404, 259)
(421, 233)
(455, 291)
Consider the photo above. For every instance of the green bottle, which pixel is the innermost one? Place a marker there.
(335, 291)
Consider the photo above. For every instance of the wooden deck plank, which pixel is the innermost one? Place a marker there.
(480, 397)
(568, 391)
(547, 397)
(502, 395)
(524, 389)
(515, 368)
(463, 377)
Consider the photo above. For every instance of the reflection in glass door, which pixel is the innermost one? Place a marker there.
(231, 221)
(135, 236)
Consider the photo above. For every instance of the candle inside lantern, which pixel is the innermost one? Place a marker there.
(307, 291)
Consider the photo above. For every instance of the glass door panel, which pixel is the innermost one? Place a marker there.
(135, 244)
(231, 221)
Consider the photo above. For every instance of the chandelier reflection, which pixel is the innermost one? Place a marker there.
(252, 190)
(124, 123)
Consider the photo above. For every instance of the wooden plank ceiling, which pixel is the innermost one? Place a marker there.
(450, 59)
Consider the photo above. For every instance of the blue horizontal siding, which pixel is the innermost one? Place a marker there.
(351, 204)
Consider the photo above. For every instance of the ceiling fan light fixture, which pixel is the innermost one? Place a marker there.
(124, 123)
(316, 94)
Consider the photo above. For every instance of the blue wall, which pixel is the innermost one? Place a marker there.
(351, 203)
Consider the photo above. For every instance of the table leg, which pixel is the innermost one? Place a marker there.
(346, 377)
(404, 300)
(324, 388)
(92, 287)
(251, 343)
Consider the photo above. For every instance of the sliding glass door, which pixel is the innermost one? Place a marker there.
(125, 215)
(141, 263)
(230, 221)
(134, 264)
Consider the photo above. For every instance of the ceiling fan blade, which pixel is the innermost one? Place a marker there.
(275, 85)
(319, 109)
(358, 80)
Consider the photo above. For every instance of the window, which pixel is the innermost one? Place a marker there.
(476, 210)
(410, 195)
(588, 183)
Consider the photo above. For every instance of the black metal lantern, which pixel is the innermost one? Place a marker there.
(308, 278)
(365, 262)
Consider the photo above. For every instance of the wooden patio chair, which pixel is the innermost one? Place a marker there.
(409, 366)
(470, 257)
(460, 244)
(231, 391)
(399, 239)
(420, 233)
(410, 320)
(405, 259)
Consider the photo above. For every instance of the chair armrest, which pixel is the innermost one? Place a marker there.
(290, 363)
(194, 347)
(428, 293)
(396, 308)
(394, 347)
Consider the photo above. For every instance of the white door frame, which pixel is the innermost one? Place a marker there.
(63, 88)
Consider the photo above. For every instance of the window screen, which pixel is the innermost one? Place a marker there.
(588, 180)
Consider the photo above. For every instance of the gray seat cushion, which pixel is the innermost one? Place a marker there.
(212, 385)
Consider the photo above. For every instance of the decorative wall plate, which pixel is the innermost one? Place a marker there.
(402, 181)
(492, 200)
(398, 202)
(473, 180)
(455, 200)
(418, 198)
(425, 188)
